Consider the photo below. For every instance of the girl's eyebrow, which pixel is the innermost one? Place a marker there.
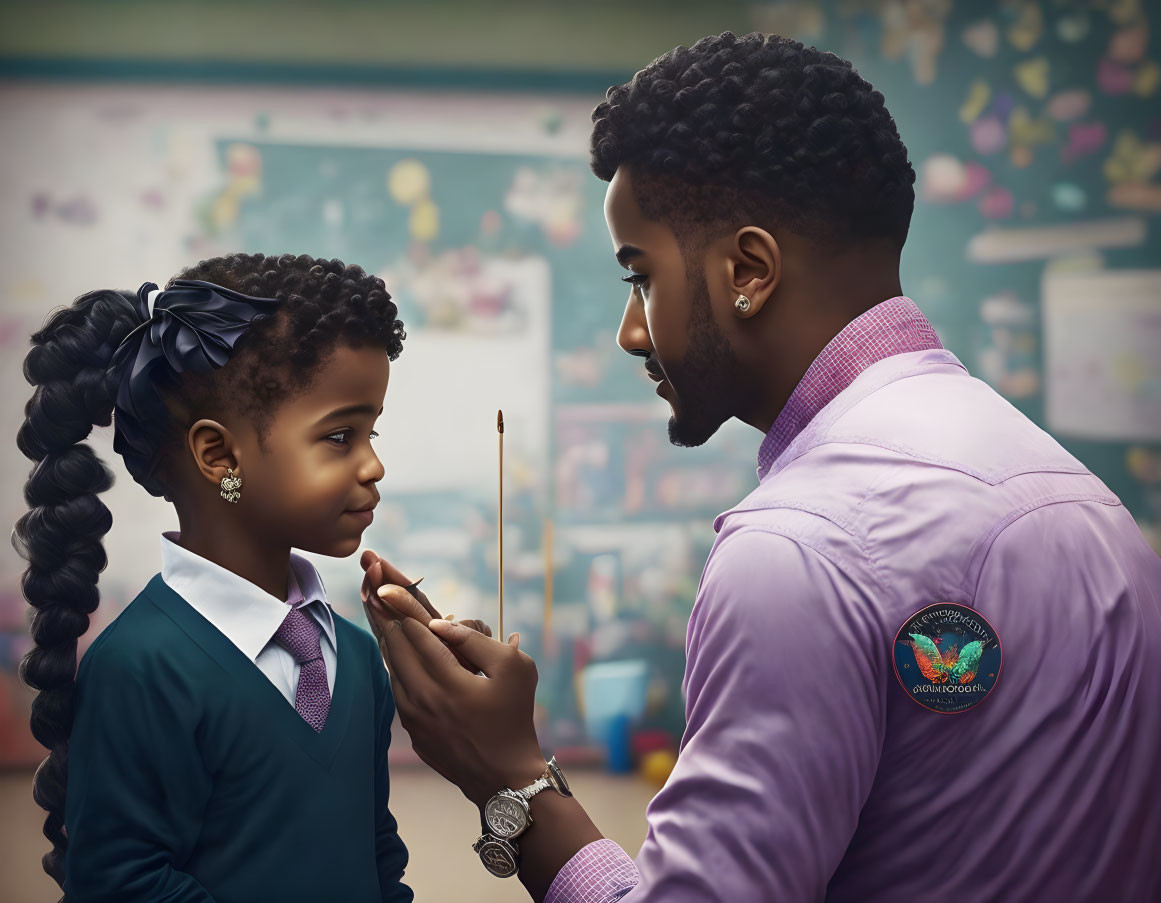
(347, 410)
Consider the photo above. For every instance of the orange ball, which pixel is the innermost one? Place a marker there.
(657, 766)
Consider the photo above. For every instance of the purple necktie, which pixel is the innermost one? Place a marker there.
(299, 635)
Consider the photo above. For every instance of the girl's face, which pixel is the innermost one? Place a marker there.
(311, 483)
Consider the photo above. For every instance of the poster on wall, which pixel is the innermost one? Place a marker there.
(1102, 354)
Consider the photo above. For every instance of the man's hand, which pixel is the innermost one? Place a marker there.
(412, 603)
(475, 729)
(466, 701)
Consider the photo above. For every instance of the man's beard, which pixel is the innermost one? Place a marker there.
(708, 377)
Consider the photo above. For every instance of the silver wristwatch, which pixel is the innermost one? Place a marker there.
(507, 815)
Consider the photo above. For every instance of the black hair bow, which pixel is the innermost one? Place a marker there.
(192, 328)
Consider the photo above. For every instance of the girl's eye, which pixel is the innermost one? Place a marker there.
(341, 436)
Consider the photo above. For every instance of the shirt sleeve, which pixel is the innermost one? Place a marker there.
(390, 852)
(137, 788)
(600, 873)
(785, 712)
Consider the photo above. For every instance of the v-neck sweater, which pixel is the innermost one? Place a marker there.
(191, 778)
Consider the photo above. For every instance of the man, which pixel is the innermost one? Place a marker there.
(849, 734)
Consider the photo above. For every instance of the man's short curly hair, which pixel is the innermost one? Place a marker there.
(759, 127)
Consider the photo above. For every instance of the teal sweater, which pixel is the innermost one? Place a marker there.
(191, 778)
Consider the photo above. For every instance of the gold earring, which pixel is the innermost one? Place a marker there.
(230, 486)
(742, 304)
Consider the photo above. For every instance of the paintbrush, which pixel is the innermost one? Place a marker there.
(500, 518)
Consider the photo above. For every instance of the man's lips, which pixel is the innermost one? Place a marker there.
(658, 378)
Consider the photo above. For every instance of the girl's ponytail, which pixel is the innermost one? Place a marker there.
(60, 535)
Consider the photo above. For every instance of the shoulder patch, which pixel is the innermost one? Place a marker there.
(947, 657)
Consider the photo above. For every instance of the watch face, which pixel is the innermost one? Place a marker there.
(498, 856)
(507, 816)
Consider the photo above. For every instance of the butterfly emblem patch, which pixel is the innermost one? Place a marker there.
(947, 657)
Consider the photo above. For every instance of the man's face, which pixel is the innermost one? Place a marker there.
(670, 320)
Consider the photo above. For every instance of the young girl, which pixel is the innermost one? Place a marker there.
(225, 738)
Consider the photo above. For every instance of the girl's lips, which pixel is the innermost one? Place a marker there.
(364, 517)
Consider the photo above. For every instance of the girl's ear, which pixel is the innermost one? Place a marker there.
(214, 450)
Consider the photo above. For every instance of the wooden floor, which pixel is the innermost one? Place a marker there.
(435, 820)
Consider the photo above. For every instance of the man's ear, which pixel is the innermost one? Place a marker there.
(754, 268)
(214, 449)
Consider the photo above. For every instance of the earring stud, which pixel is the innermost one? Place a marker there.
(230, 486)
(742, 304)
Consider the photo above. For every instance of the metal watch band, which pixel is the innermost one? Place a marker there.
(552, 777)
(556, 778)
(541, 783)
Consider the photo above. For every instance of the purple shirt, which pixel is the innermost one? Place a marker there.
(893, 480)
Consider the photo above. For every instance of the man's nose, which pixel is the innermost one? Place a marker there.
(633, 336)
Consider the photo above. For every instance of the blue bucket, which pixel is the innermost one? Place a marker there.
(614, 699)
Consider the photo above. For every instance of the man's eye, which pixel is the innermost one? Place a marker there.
(374, 435)
(340, 437)
(637, 280)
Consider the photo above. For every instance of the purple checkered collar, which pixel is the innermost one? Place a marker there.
(891, 327)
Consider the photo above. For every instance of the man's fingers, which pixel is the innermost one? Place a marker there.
(402, 603)
(380, 572)
(477, 625)
(371, 581)
(422, 598)
(392, 574)
(439, 660)
(407, 664)
(378, 620)
(403, 700)
(481, 652)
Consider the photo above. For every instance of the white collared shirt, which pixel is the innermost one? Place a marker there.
(247, 615)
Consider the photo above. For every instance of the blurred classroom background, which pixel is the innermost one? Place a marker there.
(443, 146)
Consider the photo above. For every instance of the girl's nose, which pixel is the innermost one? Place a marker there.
(372, 470)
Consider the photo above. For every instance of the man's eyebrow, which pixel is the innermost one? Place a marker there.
(347, 410)
(626, 253)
